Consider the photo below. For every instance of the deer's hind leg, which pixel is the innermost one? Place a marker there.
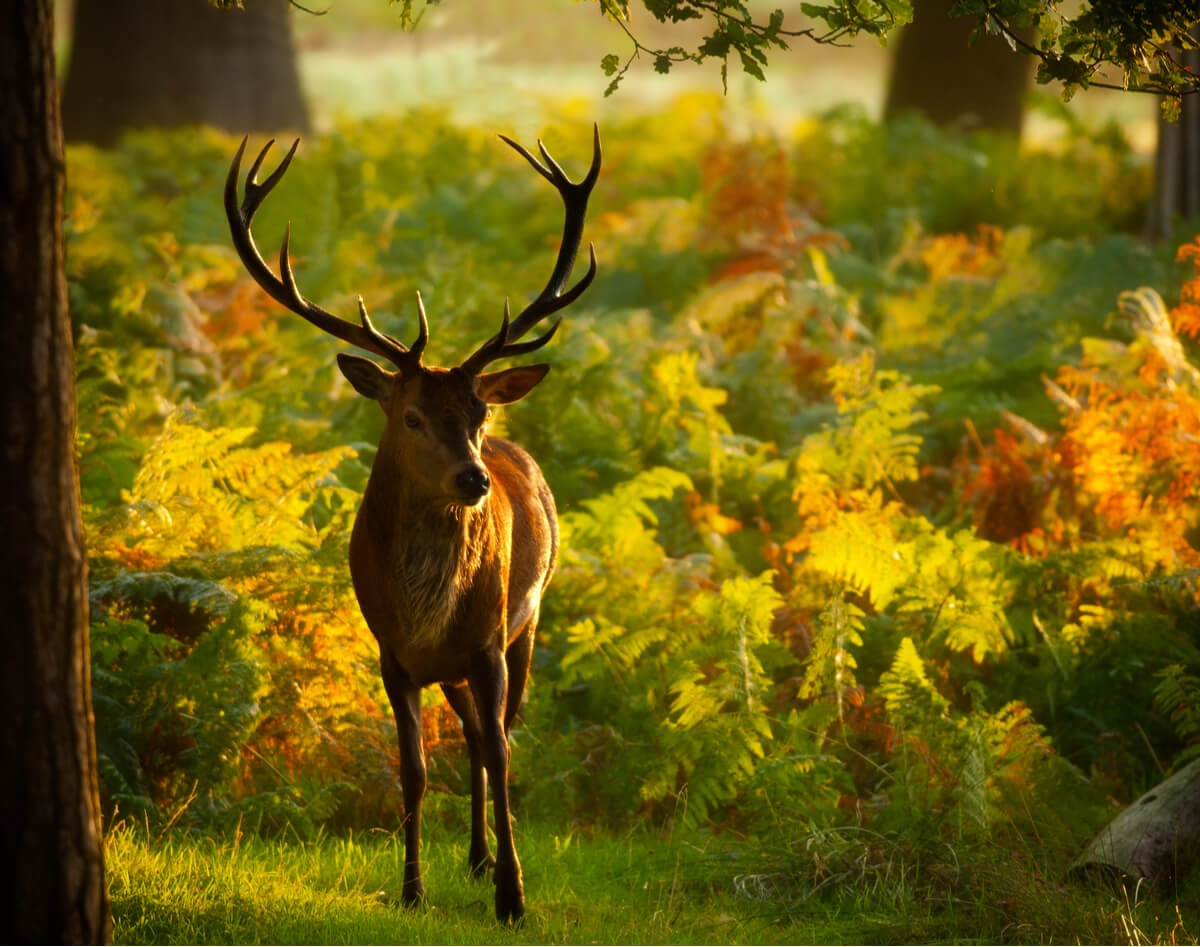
(479, 858)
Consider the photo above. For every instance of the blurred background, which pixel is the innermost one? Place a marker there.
(505, 62)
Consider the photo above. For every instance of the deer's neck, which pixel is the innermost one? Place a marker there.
(431, 553)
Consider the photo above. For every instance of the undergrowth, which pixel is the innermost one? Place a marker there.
(880, 532)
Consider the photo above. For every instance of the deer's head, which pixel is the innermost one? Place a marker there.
(435, 417)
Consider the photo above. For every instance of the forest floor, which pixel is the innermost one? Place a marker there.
(586, 889)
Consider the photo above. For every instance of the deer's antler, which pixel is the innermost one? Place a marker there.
(551, 299)
(283, 288)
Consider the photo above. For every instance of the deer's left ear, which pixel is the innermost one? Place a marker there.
(510, 385)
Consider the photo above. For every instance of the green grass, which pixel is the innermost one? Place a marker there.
(346, 890)
(641, 888)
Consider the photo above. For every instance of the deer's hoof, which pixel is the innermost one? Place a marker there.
(413, 894)
(478, 866)
(510, 903)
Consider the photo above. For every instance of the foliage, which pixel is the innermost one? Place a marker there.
(876, 474)
(1178, 695)
(682, 689)
(886, 176)
(1075, 45)
(169, 724)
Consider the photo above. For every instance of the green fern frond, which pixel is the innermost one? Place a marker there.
(870, 442)
(147, 587)
(862, 550)
(831, 663)
(200, 490)
(1177, 695)
(906, 690)
(616, 524)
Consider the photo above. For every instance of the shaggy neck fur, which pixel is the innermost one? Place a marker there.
(433, 553)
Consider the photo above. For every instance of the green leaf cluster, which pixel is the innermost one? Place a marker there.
(1075, 46)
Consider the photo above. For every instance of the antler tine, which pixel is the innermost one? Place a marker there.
(575, 200)
(283, 288)
(537, 165)
(495, 349)
(492, 349)
(422, 329)
(552, 298)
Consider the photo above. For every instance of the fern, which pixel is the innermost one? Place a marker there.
(172, 719)
(950, 587)
(1177, 695)
(870, 443)
(831, 662)
(162, 588)
(684, 424)
(945, 586)
(719, 729)
(616, 524)
(863, 549)
(963, 765)
(957, 584)
(691, 665)
(906, 690)
(201, 490)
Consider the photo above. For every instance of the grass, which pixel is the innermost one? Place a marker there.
(637, 888)
(346, 890)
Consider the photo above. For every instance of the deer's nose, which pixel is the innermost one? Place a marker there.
(473, 482)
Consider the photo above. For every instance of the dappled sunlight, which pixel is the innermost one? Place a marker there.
(874, 449)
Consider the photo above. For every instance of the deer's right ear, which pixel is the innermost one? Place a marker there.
(368, 379)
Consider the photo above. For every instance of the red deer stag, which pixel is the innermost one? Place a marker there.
(457, 535)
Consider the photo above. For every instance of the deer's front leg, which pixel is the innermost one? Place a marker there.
(489, 685)
(479, 858)
(406, 705)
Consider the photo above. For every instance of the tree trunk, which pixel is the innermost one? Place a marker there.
(1177, 163)
(181, 62)
(49, 833)
(935, 71)
(1156, 840)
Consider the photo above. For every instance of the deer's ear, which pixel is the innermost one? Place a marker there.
(368, 379)
(510, 385)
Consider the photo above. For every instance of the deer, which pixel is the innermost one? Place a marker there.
(456, 537)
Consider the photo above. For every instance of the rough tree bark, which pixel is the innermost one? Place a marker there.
(49, 834)
(1177, 163)
(136, 63)
(936, 72)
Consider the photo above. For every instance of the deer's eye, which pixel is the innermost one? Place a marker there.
(412, 420)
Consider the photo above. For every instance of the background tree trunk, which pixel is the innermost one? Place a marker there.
(180, 62)
(1177, 163)
(49, 834)
(936, 72)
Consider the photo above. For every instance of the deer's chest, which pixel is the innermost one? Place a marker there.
(424, 598)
